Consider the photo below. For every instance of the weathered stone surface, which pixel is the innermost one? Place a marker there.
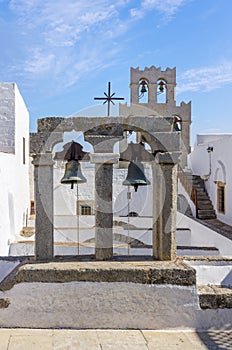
(113, 126)
(103, 211)
(215, 297)
(7, 117)
(43, 173)
(4, 303)
(143, 272)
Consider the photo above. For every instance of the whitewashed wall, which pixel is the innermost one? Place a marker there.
(14, 178)
(219, 170)
(65, 198)
(202, 236)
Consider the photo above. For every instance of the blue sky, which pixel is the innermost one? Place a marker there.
(62, 53)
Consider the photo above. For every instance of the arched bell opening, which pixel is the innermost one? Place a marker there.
(71, 203)
(161, 91)
(133, 200)
(177, 123)
(143, 91)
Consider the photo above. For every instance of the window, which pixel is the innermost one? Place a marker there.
(221, 197)
(177, 126)
(32, 208)
(161, 91)
(143, 91)
(85, 207)
(86, 210)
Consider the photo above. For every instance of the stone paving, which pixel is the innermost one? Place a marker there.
(38, 339)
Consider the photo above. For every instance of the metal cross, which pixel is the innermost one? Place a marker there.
(109, 98)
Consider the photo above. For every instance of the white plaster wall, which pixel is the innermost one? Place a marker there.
(65, 198)
(202, 236)
(213, 272)
(108, 305)
(14, 179)
(199, 162)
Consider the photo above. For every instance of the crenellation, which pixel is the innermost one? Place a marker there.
(148, 102)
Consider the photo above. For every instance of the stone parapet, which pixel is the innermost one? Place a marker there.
(143, 272)
(215, 297)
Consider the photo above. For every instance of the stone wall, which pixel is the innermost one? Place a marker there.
(7, 117)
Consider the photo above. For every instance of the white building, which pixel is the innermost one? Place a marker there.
(14, 161)
(211, 159)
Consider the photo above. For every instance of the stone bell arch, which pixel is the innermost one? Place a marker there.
(103, 133)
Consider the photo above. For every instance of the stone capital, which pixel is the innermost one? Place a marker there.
(168, 157)
(104, 158)
(43, 159)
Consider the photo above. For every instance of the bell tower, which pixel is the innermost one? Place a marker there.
(153, 93)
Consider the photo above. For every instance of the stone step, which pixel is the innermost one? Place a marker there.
(203, 197)
(215, 297)
(205, 206)
(206, 211)
(204, 200)
(206, 214)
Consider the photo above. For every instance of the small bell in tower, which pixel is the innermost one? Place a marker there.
(135, 176)
(161, 86)
(143, 86)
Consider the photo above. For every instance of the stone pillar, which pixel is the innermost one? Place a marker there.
(157, 209)
(134, 93)
(152, 94)
(43, 177)
(164, 229)
(103, 204)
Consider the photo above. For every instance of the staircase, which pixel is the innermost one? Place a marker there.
(195, 187)
(204, 207)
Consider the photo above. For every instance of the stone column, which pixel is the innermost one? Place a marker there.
(103, 204)
(164, 231)
(43, 177)
(157, 209)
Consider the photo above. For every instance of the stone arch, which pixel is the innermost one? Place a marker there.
(220, 173)
(161, 90)
(177, 123)
(103, 133)
(143, 90)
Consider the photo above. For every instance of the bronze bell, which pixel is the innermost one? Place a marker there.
(73, 174)
(143, 88)
(135, 176)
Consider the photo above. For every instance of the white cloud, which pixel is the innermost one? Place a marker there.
(167, 7)
(39, 62)
(206, 78)
(67, 38)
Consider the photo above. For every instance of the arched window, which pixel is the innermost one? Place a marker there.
(161, 91)
(177, 123)
(143, 91)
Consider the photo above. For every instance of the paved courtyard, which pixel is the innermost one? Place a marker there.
(38, 339)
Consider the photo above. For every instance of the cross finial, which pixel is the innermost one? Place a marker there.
(109, 99)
